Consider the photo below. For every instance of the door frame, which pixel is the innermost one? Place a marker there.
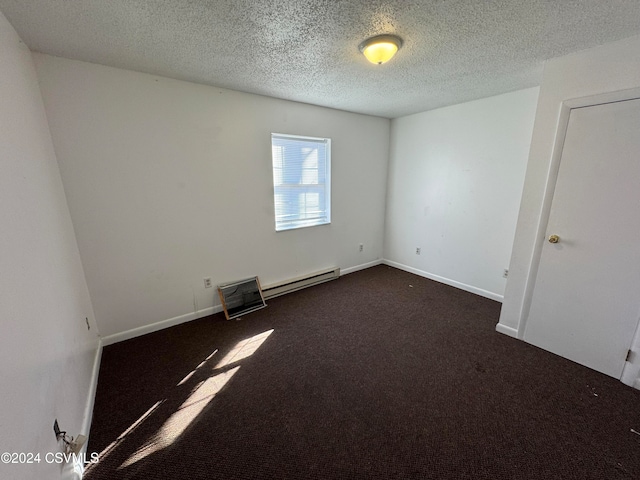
(631, 372)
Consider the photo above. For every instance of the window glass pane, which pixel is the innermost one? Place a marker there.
(310, 204)
(277, 164)
(310, 166)
(301, 167)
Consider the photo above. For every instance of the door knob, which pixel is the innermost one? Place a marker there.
(554, 238)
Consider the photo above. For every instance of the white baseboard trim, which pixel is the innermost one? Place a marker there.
(446, 281)
(363, 266)
(74, 469)
(631, 375)
(161, 325)
(91, 395)
(510, 331)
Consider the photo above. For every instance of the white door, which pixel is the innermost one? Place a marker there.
(586, 299)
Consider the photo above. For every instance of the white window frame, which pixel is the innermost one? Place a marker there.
(283, 192)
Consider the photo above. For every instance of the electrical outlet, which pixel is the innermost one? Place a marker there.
(87, 320)
(505, 273)
(361, 247)
(418, 249)
(207, 282)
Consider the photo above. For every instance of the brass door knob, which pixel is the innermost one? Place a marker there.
(554, 238)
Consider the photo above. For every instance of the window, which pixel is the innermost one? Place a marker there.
(301, 181)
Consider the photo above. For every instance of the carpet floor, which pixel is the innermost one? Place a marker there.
(380, 374)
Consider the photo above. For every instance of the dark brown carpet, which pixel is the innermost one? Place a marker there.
(378, 375)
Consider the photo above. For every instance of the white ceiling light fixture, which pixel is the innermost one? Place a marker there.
(381, 48)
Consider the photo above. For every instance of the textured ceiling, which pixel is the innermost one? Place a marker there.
(307, 50)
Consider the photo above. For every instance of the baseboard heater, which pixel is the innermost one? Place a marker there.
(288, 286)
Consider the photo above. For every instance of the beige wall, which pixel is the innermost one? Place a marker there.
(455, 181)
(169, 182)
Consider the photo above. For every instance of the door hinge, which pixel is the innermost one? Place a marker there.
(629, 353)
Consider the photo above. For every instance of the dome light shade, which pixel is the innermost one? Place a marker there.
(380, 49)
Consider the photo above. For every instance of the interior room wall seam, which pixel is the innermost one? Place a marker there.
(94, 320)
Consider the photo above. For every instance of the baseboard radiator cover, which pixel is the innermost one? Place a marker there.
(291, 285)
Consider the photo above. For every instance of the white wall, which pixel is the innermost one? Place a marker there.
(169, 182)
(455, 180)
(46, 352)
(609, 68)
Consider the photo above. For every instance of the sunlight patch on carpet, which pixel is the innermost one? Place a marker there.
(243, 349)
(201, 395)
(178, 422)
(202, 364)
(124, 434)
